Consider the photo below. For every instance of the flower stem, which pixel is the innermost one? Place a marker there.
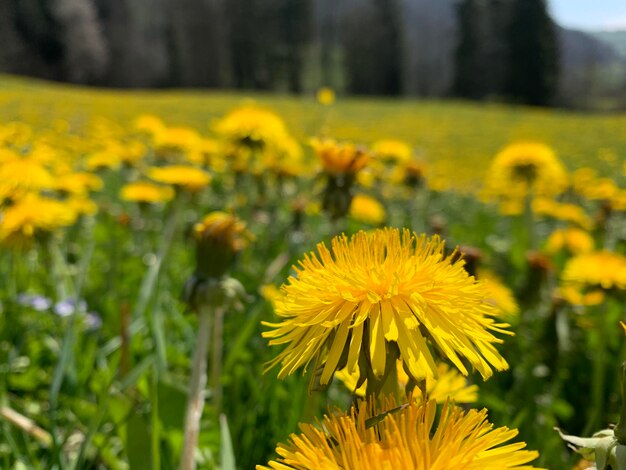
(598, 384)
(195, 402)
(620, 428)
(216, 359)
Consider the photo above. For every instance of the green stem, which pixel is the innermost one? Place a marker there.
(529, 222)
(598, 383)
(620, 428)
(216, 359)
(152, 273)
(195, 403)
(154, 418)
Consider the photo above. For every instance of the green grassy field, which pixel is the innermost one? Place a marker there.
(98, 327)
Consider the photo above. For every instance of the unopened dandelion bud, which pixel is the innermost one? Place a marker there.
(219, 238)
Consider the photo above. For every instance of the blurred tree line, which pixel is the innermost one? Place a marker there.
(477, 49)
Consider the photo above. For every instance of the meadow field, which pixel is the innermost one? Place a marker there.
(145, 236)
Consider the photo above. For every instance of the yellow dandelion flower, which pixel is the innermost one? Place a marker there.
(409, 438)
(392, 151)
(325, 96)
(618, 202)
(575, 295)
(146, 192)
(450, 384)
(82, 205)
(524, 168)
(574, 240)
(19, 175)
(340, 158)
(562, 211)
(251, 126)
(185, 177)
(498, 293)
(271, 293)
(353, 303)
(410, 173)
(31, 216)
(132, 153)
(367, 209)
(600, 189)
(149, 124)
(78, 183)
(623, 326)
(599, 268)
(175, 140)
(108, 158)
(208, 152)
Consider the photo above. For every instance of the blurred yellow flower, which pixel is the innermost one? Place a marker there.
(409, 438)
(575, 295)
(223, 228)
(149, 124)
(31, 216)
(107, 158)
(146, 192)
(185, 177)
(449, 384)
(393, 288)
(574, 240)
(498, 294)
(175, 142)
(251, 126)
(256, 139)
(79, 183)
(600, 268)
(325, 96)
(392, 151)
(19, 175)
(562, 211)
(82, 205)
(271, 293)
(525, 168)
(219, 237)
(367, 209)
(340, 158)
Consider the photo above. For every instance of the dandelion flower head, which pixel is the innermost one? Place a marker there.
(525, 167)
(498, 293)
(325, 96)
(572, 239)
(599, 268)
(351, 304)
(340, 158)
(31, 216)
(409, 438)
(251, 126)
(185, 177)
(141, 191)
(367, 209)
(449, 384)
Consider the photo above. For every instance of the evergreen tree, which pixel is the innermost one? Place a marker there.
(372, 40)
(532, 53)
(469, 55)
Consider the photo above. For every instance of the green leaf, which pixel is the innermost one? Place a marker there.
(138, 442)
(227, 456)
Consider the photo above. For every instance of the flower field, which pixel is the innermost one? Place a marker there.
(187, 276)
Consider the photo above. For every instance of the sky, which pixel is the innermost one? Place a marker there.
(592, 15)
